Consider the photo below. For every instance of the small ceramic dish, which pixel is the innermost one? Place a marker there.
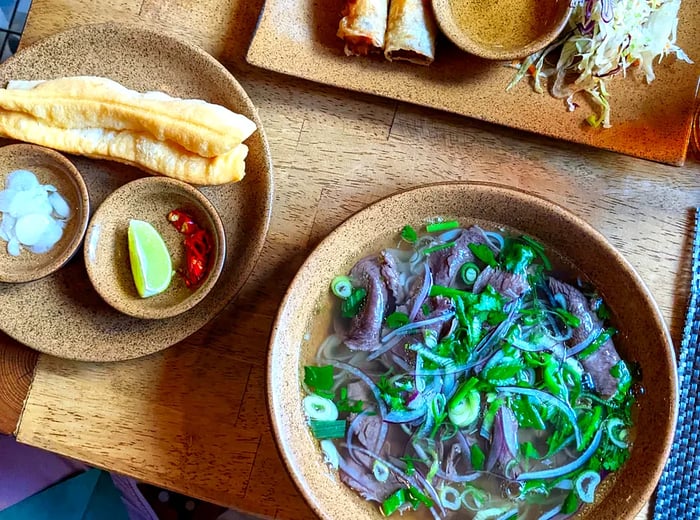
(504, 30)
(306, 317)
(50, 168)
(106, 250)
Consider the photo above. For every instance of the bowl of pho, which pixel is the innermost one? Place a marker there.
(471, 351)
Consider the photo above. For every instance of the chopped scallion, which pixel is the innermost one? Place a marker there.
(328, 429)
(442, 226)
(478, 457)
(469, 272)
(341, 287)
(394, 502)
(438, 247)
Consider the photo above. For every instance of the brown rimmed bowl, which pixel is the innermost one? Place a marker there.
(52, 168)
(106, 250)
(304, 320)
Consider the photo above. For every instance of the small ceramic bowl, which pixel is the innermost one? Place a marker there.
(504, 30)
(106, 248)
(305, 319)
(52, 168)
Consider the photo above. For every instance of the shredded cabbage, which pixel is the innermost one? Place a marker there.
(605, 38)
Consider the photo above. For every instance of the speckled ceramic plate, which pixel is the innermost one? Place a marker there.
(62, 314)
(304, 320)
(297, 37)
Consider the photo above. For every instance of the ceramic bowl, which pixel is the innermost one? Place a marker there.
(304, 320)
(494, 30)
(52, 168)
(106, 249)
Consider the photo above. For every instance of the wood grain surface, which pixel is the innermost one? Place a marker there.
(193, 418)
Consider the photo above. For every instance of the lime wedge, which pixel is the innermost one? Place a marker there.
(150, 261)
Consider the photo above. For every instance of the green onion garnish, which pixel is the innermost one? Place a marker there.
(442, 226)
(341, 287)
(416, 497)
(438, 247)
(328, 429)
(469, 272)
(351, 306)
(449, 292)
(394, 502)
(396, 319)
(409, 234)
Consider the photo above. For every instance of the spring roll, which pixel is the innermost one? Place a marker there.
(411, 32)
(363, 26)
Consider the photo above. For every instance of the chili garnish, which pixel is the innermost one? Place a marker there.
(198, 247)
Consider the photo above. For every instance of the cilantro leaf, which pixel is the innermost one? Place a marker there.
(484, 253)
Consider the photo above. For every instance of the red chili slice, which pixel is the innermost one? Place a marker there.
(198, 246)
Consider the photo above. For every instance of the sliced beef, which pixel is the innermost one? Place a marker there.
(366, 326)
(508, 285)
(602, 360)
(437, 305)
(390, 274)
(362, 480)
(445, 263)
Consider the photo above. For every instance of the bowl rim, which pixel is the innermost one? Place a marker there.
(282, 443)
(450, 28)
(66, 165)
(195, 297)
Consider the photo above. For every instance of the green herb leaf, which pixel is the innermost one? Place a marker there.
(409, 234)
(351, 306)
(417, 497)
(484, 253)
(570, 503)
(319, 379)
(396, 319)
(478, 457)
(517, 257)
(328, 429)
(528, 450)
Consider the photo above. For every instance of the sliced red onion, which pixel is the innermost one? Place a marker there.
(576, 349)
(428, 487)
(504, 446)
(410, 327)
(562, 406)
(508, 514)
(551, 513)
(586, 484)
(423, 294)
(384, 348)
(606, 10)
(406, 416)
(352, 428)
(567, 468)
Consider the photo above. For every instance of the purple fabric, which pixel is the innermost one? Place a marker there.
(25, 470)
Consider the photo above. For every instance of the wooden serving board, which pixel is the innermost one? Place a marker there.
(297, 37)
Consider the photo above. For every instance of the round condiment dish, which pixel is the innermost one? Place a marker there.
(499, 30)
(50, 168)
(305, 319)
(106, 249)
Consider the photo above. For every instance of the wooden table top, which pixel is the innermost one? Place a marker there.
(193, 418)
